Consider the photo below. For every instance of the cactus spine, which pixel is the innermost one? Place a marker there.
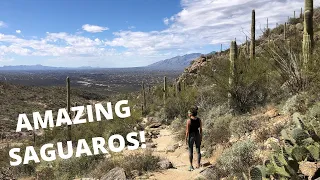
(144, 98)
(68, 106)
(253, 36)
(233, 57)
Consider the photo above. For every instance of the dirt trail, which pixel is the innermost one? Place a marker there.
(179, 159)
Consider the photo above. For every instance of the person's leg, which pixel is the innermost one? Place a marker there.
(190, 145)
(198, 144)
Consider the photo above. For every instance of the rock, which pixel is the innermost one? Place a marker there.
(151, 145)
(165, 164)
(299, 26)
(206, 163)
(308, 168)
(272, 113)
(135, 173)
(172, 148)
(154, 125)
(155, 133)
(208, 173)
(115, 174)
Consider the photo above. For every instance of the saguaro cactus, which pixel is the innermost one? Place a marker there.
(165, 89)
(178, 88)
(68, 106)
(285, 31)
(308, 25)
(253, 36)
(308, 41)
(144, 98)
(233, 57)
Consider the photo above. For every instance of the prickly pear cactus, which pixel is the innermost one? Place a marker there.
(299, 135)
(300, 153)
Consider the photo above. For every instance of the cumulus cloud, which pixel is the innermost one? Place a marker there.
(208, 22)
(18, 31)
(94, 28)
(199, 23)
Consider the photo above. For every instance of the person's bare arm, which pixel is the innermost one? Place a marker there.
(187, 130)
(200, 130)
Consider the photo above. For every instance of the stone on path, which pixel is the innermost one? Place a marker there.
(165, 164)
(115, 174)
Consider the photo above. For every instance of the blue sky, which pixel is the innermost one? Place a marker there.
(126, 33)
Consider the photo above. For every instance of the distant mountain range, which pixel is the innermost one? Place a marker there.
(175, 63)
(38, 67)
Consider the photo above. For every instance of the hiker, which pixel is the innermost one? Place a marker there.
(194, 135)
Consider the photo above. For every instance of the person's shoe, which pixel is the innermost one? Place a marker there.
(191, 168)
(198, 166)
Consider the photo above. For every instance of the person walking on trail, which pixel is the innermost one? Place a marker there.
(194, 135)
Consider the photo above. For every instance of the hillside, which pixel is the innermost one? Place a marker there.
(259, 104)
(175, 63)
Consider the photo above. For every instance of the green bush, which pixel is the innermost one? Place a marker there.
(242, 125)
(237, 159)
(218, 130)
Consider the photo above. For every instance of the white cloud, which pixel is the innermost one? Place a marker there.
(2, 24)
(18, 31)
(208, 22)
(200, 23)
(94, 28)
(166, 21)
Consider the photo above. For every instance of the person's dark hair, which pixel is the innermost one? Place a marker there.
(194, 111)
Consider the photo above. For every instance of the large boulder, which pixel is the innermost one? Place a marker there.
(115, 174)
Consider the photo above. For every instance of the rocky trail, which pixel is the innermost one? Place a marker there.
(165, 145)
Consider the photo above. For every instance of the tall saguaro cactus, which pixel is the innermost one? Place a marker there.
(285, 31)
(144, 98)
(165, 89)
(68, 106)
(233, 58)
(253, 36)
(178, 88)
(308, 20)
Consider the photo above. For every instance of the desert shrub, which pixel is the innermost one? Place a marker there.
(237, 159)
(295, 20)
(179, 106)
(141, 161)
(178, 125)
(251, 85)
(296, 103)
(218, 130)
(242, 125)
(75, 166)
